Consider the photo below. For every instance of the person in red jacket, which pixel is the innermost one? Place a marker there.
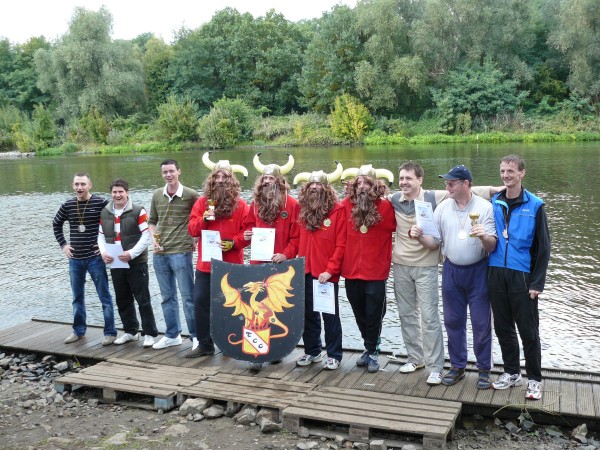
(273, 207)
(322, 242)
(220, 209)
(370, 222)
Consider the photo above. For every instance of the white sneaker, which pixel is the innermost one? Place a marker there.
(126, 338)
(506, 380)
(534, 390)
(195, 343)
(167, 342)
(411, 367)
(148, 341)
(331, 364)
(434, 379)
(307, 360)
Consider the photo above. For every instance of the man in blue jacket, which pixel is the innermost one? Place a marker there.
(517, 275)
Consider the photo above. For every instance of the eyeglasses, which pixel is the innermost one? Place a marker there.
(453, 183)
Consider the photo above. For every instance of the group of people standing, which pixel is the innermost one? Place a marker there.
(483, 270)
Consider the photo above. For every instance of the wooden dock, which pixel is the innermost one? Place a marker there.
(570, 397)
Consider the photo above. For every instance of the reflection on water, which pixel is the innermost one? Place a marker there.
(35, 281)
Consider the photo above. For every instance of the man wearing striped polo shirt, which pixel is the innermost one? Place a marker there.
(83, 214)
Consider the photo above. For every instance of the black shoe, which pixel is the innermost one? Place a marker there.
(453, 376)
(201, 350)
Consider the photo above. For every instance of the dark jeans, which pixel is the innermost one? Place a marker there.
(368, 301)
(132, 284)
(202, 307)
(312, 325)
(511, 304)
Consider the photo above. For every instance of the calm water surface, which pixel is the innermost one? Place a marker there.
(35, 281)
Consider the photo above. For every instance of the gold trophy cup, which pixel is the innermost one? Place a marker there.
(158, 248)
(473, 216)
(211, 207)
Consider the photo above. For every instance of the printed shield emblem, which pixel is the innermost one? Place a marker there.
(257, 311)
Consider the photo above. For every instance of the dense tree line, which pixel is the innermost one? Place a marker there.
(459, 63)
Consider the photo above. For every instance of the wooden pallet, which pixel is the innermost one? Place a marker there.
(365, 412)
(116, 377)
(265, 392)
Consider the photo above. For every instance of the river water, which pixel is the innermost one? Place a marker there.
(34, 279)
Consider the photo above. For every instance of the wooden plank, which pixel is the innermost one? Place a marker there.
(551, 399)
(388, 422)
(384, 398)
(584, 400)
(568, 397)
(336, 377)
(162, 368)
(23, 341)
(409, 406)
(469, 391)
(387, 375)
(596, 399)
(18, 330)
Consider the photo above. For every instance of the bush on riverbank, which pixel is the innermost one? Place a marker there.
(232, 123)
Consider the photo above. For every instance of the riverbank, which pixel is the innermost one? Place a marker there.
(33, 415)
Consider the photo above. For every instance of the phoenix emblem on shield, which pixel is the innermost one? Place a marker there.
(259, 314)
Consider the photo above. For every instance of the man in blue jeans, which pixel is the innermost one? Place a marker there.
(83, 214)
(173, 249)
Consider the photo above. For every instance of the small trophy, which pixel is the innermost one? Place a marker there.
(158, 248)
(473, 216)
(211, 207)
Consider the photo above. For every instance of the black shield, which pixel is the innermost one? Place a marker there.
(257, 311)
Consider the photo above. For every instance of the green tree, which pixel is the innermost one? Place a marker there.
(235, 55)
(23, 77)
(482, 91)
(229, 122)
(330, 59)
(86, 70)
(177, 120)
(389, 77)
(157, 59)
(453, 32)
(7, 63)
(577, 36)
(350, 119)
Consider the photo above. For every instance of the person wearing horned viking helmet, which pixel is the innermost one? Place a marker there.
(220, 209)
(370, 222)
(322, 242)
(273, 207)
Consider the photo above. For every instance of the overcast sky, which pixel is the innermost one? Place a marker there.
(22, 19)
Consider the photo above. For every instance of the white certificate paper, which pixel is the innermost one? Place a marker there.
(211, 245)
(323, 297)
(424, 217)
(115, 250)
(263, 244)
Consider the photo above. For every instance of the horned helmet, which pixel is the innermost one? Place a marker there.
(368, 171)
(320, 176)
(273, 169)
(223, 164)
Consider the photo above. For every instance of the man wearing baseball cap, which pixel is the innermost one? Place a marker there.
(467, 235)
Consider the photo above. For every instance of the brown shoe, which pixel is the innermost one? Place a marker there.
(73, 338)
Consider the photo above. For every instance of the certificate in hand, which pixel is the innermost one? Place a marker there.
(424, 217)
(263, 244)
(323, 297)
(115, 250)
(211, 245)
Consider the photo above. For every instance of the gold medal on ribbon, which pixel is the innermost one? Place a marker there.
(327, 222)
(363, 229)
(81, 228)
